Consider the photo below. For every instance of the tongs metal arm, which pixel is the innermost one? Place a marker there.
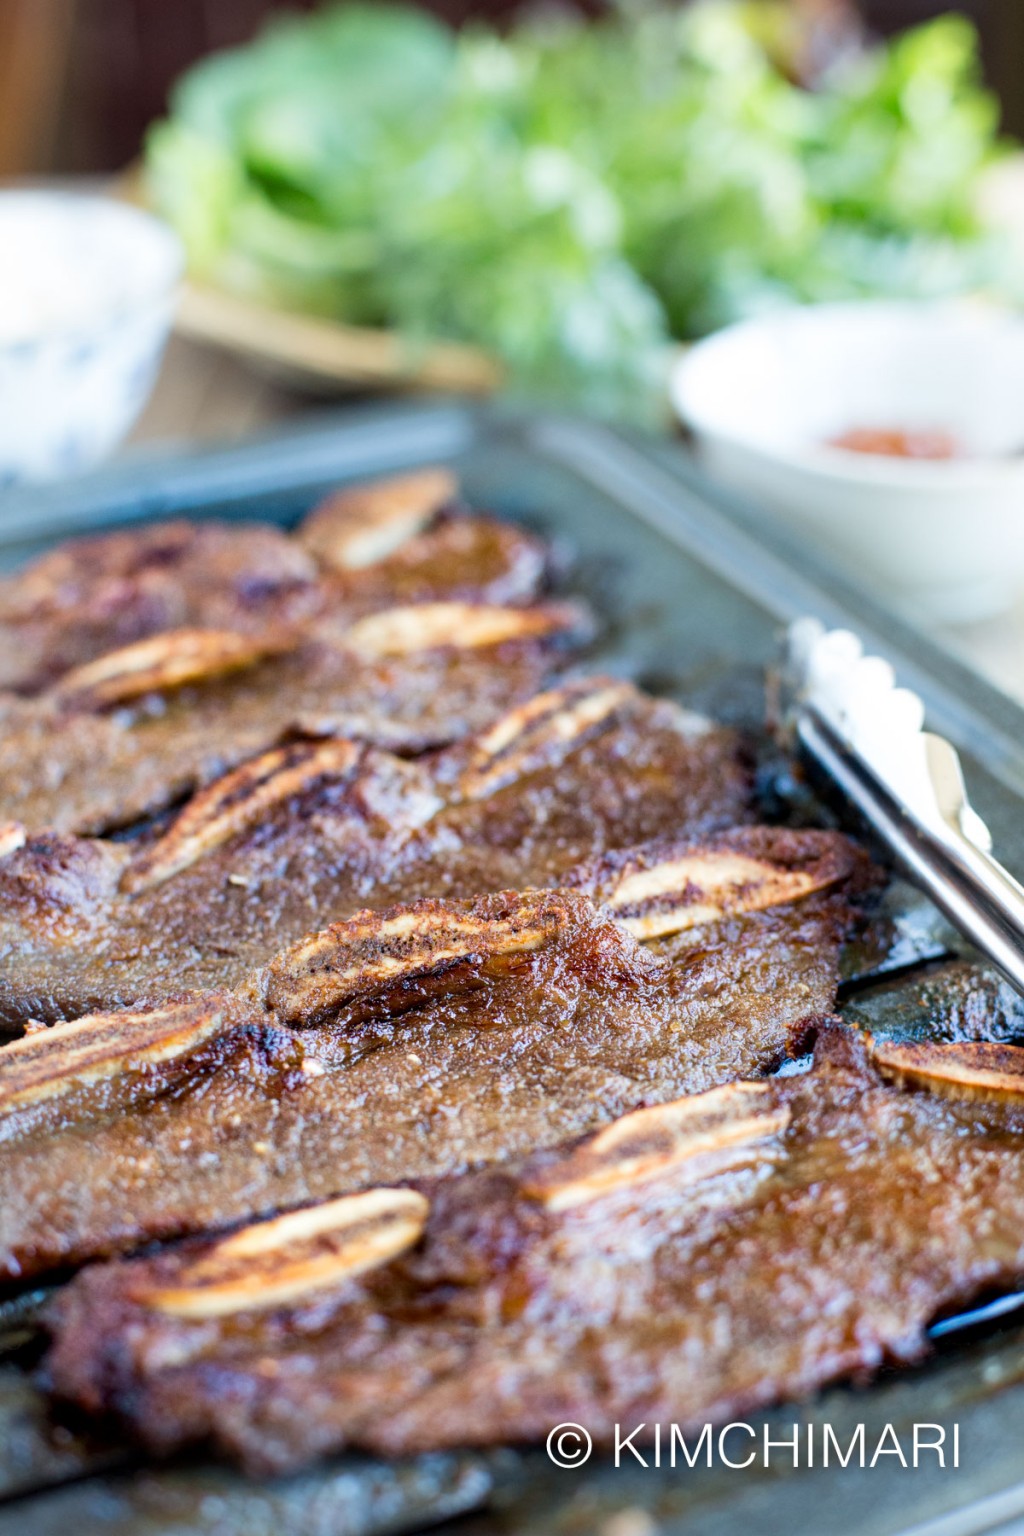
(866, 735)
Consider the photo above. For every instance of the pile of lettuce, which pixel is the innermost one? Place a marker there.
(572, 197)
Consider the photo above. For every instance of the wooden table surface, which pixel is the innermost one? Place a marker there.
(206, 395)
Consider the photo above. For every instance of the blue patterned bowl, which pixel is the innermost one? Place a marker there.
(87, 293)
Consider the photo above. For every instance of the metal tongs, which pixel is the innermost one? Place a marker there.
(848, 715)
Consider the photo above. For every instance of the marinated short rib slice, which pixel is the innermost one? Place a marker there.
(95, 753)
(389, 542)
(403, 540)
(314, 830)
(406, 1043)
(362, 525)
(93, 595)
(163, 664)
(688, 1265)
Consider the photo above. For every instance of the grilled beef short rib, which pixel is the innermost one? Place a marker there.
(390, 542)
(687, 1265)
(419, 1040)
(129, 733)
(312, 831)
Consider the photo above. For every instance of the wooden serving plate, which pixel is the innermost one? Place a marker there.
(327, 355)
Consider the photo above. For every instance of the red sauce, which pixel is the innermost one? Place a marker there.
(896, 444)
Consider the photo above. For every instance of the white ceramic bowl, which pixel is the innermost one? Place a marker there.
(941, 539)
(87, 292)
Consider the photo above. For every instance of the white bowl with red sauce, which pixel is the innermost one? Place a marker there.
(889, 435)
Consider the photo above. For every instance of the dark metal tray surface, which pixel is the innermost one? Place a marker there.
(693, 590)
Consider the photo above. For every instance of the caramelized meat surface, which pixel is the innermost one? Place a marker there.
(374, 546)
(130, 733)
(687, 1265)
(96, 594)
(312, 831)
(457, 559)
(420, 1040)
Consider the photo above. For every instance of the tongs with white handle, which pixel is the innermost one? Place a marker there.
(868, 736)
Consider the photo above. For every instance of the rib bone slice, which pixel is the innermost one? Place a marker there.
(239, 800)
(358, 527)
(689, 886)
(957, 1070)
(374, 951)
(100, 1047)
(550, 721)
(164, 661)
(12, 837)
(700, 1136)
(277, 1263)
(469, 626)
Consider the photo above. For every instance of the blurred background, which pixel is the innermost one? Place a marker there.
(544, 196)
(80, 80)
(644, 210)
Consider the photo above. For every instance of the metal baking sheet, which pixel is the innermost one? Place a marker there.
(693, 589)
